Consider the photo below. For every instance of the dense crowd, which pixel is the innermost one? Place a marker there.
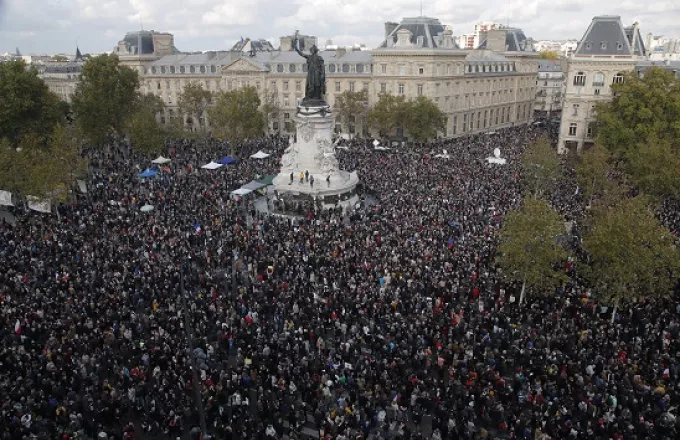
(392, 322)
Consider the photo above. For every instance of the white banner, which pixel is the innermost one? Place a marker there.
(82, 186)
(6, 198)
(39, 205)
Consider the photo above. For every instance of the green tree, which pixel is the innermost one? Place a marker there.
(594, 175)
(423, 118)
(541, 167)
(630, 253)
(387, 114)
(529, 247)
(236, 115)
(26, 104)
(549, 55)
(59, 58)
(192, 104)
(105, 97)
(271, 109)
(641, 126)
(146, 134)
(352, 109)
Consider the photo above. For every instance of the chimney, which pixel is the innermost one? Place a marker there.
(340, 51)
(389, 27)
(286, 44)
(636, 26)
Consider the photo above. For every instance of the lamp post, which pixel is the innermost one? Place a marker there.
(190, 343)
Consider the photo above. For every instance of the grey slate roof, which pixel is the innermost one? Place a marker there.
(550, 66)
(70, 67)
(607, 36)
(424, 27)
(515, 41)
(143, 42)
(671, 66)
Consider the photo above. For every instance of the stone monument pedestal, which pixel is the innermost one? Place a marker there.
(313, 155)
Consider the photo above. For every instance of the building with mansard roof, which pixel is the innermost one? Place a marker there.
(62, 77)
(607, 50)
(479, 89)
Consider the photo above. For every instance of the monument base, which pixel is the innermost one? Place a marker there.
(310, 171)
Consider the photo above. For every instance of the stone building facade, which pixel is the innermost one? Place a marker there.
(490, 87)
(606, 51)
(550, 88)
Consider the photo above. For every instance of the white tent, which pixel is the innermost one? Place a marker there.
(381, 148)
(259, 155)
(39, 205)
(497, 157)
(241, 191)
(146, 208)
(211, 166)
(160, 160)
(6, 198)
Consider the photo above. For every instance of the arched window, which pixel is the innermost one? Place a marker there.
(279, 68)
(182, 69)
(477, 69)
(153, 70)
(580, 79)
(202, 69)
(331, 68)
(618, 78)
(360, 68)
(213, 69)
(345, 68)
(172, 69)
(291, 68)
(162, 69)
(192, 69)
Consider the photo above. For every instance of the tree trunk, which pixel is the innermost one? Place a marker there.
(613, 317)
(521, 295)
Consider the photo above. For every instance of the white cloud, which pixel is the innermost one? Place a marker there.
(54, 25)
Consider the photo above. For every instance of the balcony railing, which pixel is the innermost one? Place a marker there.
(598, 84)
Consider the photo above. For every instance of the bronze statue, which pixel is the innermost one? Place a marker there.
(316, 75)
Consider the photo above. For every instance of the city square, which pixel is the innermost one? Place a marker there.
(470, 236)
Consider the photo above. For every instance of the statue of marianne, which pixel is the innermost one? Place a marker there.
(316, 74)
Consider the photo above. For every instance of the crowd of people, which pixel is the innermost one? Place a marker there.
(391, 322)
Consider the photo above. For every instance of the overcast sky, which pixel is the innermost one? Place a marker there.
(53, 26)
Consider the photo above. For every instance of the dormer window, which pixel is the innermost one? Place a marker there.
(588, 46)
(291, 68)
(619, 46)
(603, 45)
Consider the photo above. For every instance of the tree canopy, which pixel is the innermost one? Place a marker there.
(146, 134)
(271, 108)
(549, 55)
(541, 167)
(594, 175)
(387, 114)
(105, 97)
(630, 253)
(26, 104)
(529, 246)
(423, 118)
(236, 115)
(641, 128)
(352, 108)
(192, 102)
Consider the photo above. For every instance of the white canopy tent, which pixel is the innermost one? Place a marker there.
(496, 159)
(444, 155)
(212, 166)
(40, 205)
(260, 155)
(160, 160)
(6, 198)
(241, 191)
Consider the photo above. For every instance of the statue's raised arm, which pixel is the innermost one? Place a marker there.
(316, 74)
(297, 49)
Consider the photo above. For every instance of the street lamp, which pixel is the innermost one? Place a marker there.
(190, 343)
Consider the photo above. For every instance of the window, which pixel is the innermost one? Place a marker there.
(402, 69)
(360, 68)
(351, 86)
(588, 45)
(464, 128)
(181, 69)
(421, 70)
(331, 68)
(192, 69)
(597, 92)
(285, 85)
(337, 86)
(598, 79)
(472, 121)
(590, 131)
(618, 79)
(455, 124)
(401, 88)
(574, 111)
(304, 68)
(603, 45)
(420, 90)
(172, 69)
(291, 68)
(580, 79)
(486, 114)
(545, 83)
(275, 125)
(158, 85)
(383, 88)
(286, 101)
(153, 70)
(202, 69)
(619, 46)
(366, 85)
(213, 69)
(383, 68)
(286, 116)
(298, 86)
(279, 68)
(572, 129)
(167, 85)
(496, 120)
(258, 86)
(162, 69)
(479, 120)
(345, 68)
(273, 84)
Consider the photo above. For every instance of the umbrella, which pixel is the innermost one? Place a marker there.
(211, 166)
(148, 173)
(227, 160)
(146, 208)
(259, 155)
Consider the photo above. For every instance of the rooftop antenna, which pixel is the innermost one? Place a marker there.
(421, 8)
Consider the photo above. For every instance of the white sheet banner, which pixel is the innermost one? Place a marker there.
(39, 205)
(6, 198)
